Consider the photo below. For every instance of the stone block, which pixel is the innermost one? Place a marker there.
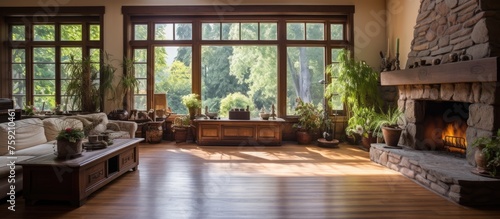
(455, 188)
(394, 160)
(456, 197)
(479, 51)
(423, 180)
(416, 168)
(481, 116)
(438, 189)
(444, 185)
(451, 3)
(402, 92)
(427, 92)
(443, 50)
(434, 92)
(414, 111)
(488, 92)
(431, 178)
(476, 92)
(405, 162)
(407, 172)
(417, 91)
(480, 32)
(466, 43)
(393, 167)
(383, 159)
(462, 92)
(446, 92)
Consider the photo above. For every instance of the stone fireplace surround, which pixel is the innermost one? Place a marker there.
(445, 28)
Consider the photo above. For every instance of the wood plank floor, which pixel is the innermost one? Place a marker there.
(291, 181)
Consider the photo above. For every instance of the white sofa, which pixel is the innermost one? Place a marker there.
(36, 137)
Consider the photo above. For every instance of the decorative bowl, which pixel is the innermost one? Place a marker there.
(264, 116)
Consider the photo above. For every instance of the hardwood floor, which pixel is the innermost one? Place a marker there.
(290, 181)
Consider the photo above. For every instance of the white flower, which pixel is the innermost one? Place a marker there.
(359, 129)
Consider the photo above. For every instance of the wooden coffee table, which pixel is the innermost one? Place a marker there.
(49, 178)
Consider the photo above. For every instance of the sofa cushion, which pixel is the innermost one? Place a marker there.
(28, 132)
(96, 122)
(39, 150)
(54, 125)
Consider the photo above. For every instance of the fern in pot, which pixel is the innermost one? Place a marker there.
(390, 123)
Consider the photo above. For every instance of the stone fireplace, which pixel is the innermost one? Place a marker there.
(449, 88)
(448, 29)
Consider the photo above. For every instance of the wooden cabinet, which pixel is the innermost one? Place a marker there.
(49, 178)
(238, 132)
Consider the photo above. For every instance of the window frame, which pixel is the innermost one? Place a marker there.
(327, 14)
(30, 16)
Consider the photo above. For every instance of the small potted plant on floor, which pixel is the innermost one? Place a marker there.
(180, 128)
(487, 155)
(391, 123)
(309, 121)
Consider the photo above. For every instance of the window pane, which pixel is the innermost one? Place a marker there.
(183, 31)
(337, 31)
(44, 32)
(210, 31)
(68, 52)
(95, 55)
(295, 31)
(140, 55)
(305, 70)
(44, 87)
(315, 31)
(95, 32)
(18, 33)
(19, 101)
(140, 70)
(249, 31)
(335, 102)
(71, 32)
(268, 31)
(18, 71)
(140, 102)
(44, 71)
(18, 56)
(142, 87)
(231, 79)
(230, 31)
(173, 75)
(164, 31)
(44, 55)
(18, 87)
(140, 32)
(50, 102)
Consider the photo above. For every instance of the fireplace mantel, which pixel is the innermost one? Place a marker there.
(480, 70)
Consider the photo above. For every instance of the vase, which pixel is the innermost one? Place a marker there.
(303, 137)
(67, 149)
(391, 135)
(192, 113)
(480, 159)
(154, 132)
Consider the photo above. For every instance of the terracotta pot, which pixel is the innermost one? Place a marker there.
(154, 132)
(480, 159)
(66, 149)
(303, 137)
(391, 135)
(366, 141)
(180, 135)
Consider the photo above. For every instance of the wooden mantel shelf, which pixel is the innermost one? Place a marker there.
(480, 70)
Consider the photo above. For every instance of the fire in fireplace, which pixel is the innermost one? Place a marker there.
(445, 126)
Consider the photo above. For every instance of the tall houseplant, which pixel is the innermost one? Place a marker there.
(83, 88)
(309, 121)
(128, 82)
(356, 83)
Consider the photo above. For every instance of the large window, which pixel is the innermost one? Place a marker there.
(39, 51)
(237, 59)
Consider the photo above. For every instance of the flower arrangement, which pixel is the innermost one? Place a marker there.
(71, 134)
(29, 110)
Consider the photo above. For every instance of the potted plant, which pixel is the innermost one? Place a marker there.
(360, 125)
(192, 102)
(87, 85)
(357, 85)
(309, 121)
(487, 154)
(69, 142)
(390, 122)
(180, 128)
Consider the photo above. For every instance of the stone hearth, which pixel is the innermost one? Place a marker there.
(440, 172)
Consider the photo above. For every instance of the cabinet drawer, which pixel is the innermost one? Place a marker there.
(231, 132)
(127, 159)
(94, 174)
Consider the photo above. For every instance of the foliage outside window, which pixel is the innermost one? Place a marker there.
(239, 57)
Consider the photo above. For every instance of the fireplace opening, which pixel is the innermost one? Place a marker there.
(445, 126)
